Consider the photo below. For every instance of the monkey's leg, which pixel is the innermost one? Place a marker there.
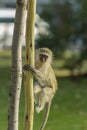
(48, 93)
(37, 90)
(45, 96)
(41, 101)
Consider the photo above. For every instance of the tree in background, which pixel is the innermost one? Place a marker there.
(68, 26)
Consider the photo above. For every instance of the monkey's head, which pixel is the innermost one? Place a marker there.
(44, 55)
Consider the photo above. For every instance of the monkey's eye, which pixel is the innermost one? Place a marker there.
(43, 56)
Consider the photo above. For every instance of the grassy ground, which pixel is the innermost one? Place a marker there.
(69, 107)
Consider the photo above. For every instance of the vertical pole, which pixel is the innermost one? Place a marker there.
(16, 67)
(28, 80)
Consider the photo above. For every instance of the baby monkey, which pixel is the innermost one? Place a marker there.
(46, 85)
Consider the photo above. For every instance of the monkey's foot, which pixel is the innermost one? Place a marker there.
(38, 109)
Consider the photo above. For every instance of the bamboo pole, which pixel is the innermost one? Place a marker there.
(16, 67)
(28, 80)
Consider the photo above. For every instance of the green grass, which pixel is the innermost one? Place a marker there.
(69, 107)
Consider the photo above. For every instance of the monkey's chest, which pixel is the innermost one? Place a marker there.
(44, 71)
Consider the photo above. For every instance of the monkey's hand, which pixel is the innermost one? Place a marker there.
(28, 68)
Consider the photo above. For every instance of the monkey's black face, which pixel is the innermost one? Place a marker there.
(43, 58)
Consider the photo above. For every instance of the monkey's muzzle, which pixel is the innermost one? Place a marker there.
(43, 58)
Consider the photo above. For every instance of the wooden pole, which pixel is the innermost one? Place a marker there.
(28, 80)
(16, 68)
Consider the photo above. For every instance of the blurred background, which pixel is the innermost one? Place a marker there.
(61, 25)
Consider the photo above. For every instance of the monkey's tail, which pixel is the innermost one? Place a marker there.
(46, 114)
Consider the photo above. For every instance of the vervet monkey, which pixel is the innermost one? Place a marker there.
(46, 84)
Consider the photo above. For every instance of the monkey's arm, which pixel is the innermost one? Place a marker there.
(38, 75)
